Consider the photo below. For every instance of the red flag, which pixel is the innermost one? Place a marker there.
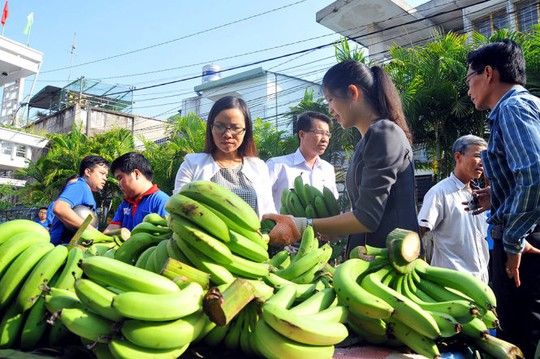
(5, 14)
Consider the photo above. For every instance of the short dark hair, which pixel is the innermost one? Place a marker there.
(305, 120)
(92, 161)
(506, 56)
(247, 148)
(40, 208)
(132, 161)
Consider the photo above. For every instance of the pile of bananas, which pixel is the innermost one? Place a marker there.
(420, 306)
(305, 200)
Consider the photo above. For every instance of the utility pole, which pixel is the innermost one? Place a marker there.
(73, 47)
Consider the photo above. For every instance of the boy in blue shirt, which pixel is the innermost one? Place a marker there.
(93, 172)
(134, 175)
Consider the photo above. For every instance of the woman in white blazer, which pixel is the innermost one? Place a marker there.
(230, 156)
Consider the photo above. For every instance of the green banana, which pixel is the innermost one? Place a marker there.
(231, 340)
(143, 257)
(164, 335)
(247, 330)
(147, 227)
(367, 336)
(199, 239)
(320, 207)
(284, 297)
(160, 256)
(224, 201)
(310, 275)
(295, 206)
(160, 307)
(244, 247)
(125, 277)
(11, 326)
(218, 273)
(216, 335)
(273, 345)
(299, 190)
(405, 310)
(302, 265)
(175, 252)
(303, 291)
(354, 296)
(447, 324)
(87, 325)
(96, 298)
(131, 249)
(474, 328)
(337, 314)
(310, 211)
(14, 246)
(198, 214)
(55, 303)
(464, 282)
(71, 271)
(457, 308)
(34, 326)
(316, 303)
(413, 339)
(155, 219)
(18, 226)
(308, 243)
(42, 273)
(375, 326)
(246, 268)
(12, 280)
(284, 196)
(490, 319)
(437, 291)
(498, 348)
(281, 259)
(330, 201)
(150, 261)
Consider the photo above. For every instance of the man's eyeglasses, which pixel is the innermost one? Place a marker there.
(221, 129)
(467, 79)
(321, 133)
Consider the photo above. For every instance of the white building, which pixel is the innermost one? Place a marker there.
(379, 24)
(269, 95)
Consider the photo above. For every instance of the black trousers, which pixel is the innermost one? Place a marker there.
(518, 307)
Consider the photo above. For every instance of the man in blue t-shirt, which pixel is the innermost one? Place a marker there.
(134, 175)
(42, 218)
(93, 172)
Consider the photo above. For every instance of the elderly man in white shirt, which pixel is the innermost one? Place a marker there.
(313, 129)
(458, 237)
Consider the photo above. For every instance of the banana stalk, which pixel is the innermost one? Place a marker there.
(222, 307)
(182, 274)
(403, 248)
(498, 348)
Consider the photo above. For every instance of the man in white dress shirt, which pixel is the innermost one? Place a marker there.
(458, 237)
(313, 129)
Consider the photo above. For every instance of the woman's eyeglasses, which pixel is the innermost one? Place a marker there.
(221, 129)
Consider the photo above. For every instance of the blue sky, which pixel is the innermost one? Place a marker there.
(143, 43)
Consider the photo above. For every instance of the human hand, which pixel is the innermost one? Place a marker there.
(480, 201)
(285, 232)
(512, 267)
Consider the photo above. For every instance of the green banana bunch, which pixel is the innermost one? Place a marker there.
(97, 298)
(125, 277)
(186, 231)
(199, 214)
(304, 200)
(131, 249)
(223, 201)
(17, 226)
(13, 278)
(42, 273)
(15, 245)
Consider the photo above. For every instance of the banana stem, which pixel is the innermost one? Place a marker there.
(403, 248)
(222, 307)
(183, 274)
(122, 233)
(498, 348)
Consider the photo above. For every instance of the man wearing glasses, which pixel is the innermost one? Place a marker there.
(496, 80)
(313, 130)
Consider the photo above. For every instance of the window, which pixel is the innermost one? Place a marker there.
(489, 24)
(21, 151)
(527, 14)
(6, 148)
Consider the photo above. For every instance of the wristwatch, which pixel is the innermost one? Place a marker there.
(309, 222)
